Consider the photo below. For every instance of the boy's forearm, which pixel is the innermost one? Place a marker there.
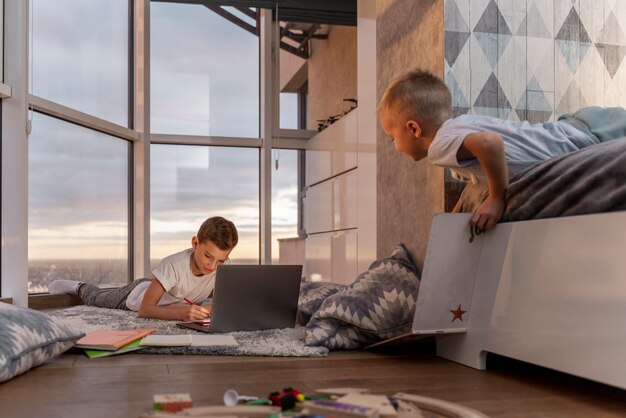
(169, 312)
(488, 148)
(497, 178)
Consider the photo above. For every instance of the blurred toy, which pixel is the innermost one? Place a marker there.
(172, 402)
(232, 398)
(286, 398)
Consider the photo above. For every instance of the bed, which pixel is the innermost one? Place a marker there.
(548, 286)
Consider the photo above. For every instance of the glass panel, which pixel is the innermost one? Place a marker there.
(79, 55)
(205, 73)
(192, 183)
(289, 110)
(77, 205)
(285, 207)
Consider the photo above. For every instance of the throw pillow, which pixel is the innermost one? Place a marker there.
(29, 338)
(312, 294)
(380, 304)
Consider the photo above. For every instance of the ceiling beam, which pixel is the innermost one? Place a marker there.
(234, 19)
(329, 12)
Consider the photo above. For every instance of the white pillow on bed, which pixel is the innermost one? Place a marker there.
(29, 338)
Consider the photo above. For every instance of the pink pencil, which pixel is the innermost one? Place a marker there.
(188, 301)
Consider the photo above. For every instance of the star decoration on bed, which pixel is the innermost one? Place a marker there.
(457, 313)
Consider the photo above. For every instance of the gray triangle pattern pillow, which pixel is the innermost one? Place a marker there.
(380, 304)
(312, 294)
(30, 338)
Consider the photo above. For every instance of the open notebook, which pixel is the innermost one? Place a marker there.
(198, 340)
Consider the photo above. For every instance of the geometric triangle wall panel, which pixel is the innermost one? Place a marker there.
(612, 56)
(492, 21)
(534, 59)
(537, 100)
(538, 116)
(458, 97)
(535, 25)
(612, 32)
(454, 44)
(573, 29)
(455, 20)
(492, 95)
(489, 44)
(573, 51)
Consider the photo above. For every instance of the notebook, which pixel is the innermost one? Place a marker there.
(111, 339)
(133, 346)
(254, 297)
(189, 340)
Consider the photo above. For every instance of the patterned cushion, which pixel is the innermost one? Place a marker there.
(312, 294)
(29, 338)
(380, 304)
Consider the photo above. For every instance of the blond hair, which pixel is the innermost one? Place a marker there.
(220, 231)
(417, 95)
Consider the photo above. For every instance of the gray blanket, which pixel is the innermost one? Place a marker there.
(591, 180)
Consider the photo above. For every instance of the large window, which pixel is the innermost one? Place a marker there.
(78, 205)
(204, 73)
(79, 177)
(79, 52)
(192, 183)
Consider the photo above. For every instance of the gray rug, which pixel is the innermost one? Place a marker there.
(288, 342)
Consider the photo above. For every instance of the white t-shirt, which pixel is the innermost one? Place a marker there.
(174, 274)
(524, 144)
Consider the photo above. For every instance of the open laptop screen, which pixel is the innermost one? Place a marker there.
(255, 297)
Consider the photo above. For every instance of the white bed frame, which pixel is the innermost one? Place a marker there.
(548, 292)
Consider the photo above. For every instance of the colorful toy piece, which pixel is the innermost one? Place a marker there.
(286, 398)
(172, 402)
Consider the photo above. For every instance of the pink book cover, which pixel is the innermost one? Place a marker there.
(111, 339)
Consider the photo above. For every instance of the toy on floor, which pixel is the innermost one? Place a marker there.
(172, 402)
(286, 398)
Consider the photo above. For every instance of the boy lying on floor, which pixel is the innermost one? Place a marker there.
(178, 285)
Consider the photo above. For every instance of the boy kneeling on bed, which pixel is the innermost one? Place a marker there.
(416, 113)
(187, 275)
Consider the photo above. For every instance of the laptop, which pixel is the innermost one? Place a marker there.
(253, 298)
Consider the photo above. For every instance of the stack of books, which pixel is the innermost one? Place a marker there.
(109, 342)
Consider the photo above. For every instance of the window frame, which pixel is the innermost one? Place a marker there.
(14, 227)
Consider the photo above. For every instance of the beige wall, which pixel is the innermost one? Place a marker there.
(293, 72)
(332, 73)
(409, 34)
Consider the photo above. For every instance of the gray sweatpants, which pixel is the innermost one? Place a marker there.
(112, 298)
(603, 123)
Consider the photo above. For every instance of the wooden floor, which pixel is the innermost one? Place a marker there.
(74, 386)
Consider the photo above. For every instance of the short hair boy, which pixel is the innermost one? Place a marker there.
(415, 112)
(179, 284)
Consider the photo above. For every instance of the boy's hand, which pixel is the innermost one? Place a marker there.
(194, 312)
(488, 149)
(488, 213)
